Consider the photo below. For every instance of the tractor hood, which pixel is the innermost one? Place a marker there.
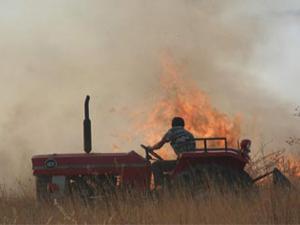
(84, 164)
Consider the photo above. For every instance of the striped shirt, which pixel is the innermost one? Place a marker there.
(180, 139)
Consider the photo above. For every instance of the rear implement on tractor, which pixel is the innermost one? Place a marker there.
(92, 174)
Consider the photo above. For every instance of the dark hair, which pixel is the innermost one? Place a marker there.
(178, 122)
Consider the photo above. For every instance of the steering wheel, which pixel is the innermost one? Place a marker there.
(150, 153)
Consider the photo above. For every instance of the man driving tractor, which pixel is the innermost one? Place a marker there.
(181, 141)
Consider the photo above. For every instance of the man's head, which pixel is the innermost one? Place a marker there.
(178, 122)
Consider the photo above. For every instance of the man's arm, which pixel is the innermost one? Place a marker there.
(159, 144)
(164, 140)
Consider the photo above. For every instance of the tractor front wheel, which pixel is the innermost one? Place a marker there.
(42, 192)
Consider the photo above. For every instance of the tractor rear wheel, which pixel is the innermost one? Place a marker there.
(213, 177)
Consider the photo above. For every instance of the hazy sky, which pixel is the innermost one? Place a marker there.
(243, 54)
(34, 31)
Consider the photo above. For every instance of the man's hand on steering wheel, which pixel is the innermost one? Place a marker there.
(149, 151)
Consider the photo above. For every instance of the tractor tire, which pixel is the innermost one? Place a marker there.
(213, 177)
(42, 193)
(79, 190)
(106, 185)
(89, 189)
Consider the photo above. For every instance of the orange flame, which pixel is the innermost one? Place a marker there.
(181, 97)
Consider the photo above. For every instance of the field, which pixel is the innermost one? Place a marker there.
(267, 206)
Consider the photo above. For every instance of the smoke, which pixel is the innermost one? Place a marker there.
(54, 52)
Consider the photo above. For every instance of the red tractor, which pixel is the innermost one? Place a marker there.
(91, 174)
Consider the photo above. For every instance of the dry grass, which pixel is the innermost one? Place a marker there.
(268, 206)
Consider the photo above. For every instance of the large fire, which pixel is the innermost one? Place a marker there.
(180, 96)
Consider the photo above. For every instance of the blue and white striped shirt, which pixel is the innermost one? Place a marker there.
(180, 139)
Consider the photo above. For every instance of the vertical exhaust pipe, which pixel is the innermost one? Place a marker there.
(87, 130)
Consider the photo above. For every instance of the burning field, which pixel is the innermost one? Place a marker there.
(178, 96)
(181, 97)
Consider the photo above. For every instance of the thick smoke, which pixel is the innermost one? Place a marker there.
(56, 52)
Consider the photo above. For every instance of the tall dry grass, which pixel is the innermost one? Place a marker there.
(267, 206)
